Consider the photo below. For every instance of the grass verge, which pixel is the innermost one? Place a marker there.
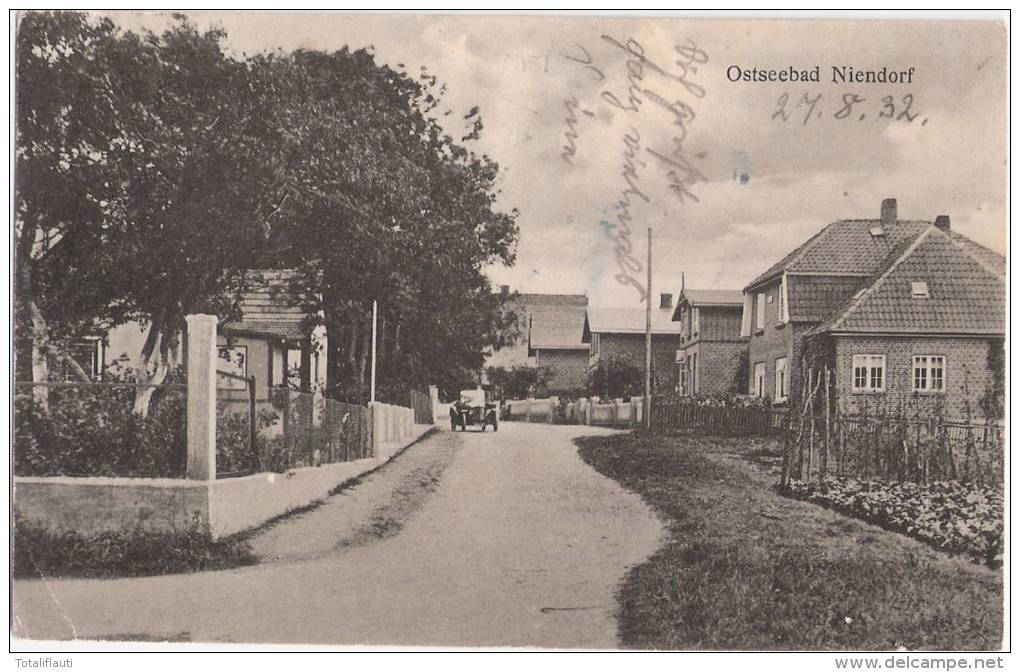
(42, 554)
(745, 568)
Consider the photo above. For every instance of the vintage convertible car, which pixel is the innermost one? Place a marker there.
(473, 408)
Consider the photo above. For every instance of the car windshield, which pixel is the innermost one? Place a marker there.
(473, 397)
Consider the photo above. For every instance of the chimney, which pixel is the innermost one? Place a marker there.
(504, 289)
(889, 212)
(942, 223)
(665, 300)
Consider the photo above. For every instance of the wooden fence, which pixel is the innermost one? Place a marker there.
(674, 416)
(907, 445)
(421, 403)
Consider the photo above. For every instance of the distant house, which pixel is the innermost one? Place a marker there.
(819, 291)
(711, 347)
(550, 328)
(275, 340)
(621, 332)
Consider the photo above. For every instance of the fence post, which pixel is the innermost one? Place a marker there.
(828, 425)
(375, 427)
(252, 414)
(201, 379)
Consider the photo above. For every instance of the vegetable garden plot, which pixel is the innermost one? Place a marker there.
(952, 516)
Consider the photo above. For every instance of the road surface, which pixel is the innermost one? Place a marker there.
(467, 539)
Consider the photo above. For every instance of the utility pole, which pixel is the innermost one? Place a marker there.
(375, 321)
(647, 401)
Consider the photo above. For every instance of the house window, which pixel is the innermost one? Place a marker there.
(781, 379)
(759, 317)
(919, 290)
(694, 373)
(88, 354)
(929, 373)
(869, 373)
(233, 363)
(759, 378)
(594, 345)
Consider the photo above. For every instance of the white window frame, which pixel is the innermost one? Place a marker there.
(759, 379)
(928, 362)
(759, 316)
(784, 301)
(782, 379)
(869, 362)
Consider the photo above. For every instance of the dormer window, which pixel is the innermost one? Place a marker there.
(877, 232)
(919, 290)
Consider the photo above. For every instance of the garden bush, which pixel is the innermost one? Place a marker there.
(94, 431)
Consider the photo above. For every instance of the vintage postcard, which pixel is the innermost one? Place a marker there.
(483, 331)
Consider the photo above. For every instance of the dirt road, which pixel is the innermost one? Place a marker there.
(507, 539)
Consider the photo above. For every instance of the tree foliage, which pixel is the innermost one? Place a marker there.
(518, 382)
(154, 169)
(614, 377)
(387, 207)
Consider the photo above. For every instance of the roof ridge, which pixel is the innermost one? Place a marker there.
(869, 288)
(955, 238)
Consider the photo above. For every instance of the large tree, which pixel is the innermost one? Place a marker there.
(388, 207)
(154, 169)
(152, 174)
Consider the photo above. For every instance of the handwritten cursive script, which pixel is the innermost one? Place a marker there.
(640, 86)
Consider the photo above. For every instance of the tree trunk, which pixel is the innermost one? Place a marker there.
(152, 366)
(23, 260)
(40, 365)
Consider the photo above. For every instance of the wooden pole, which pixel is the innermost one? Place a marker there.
(647, 401)
(252, 414)
(375, 321)
(828, 424)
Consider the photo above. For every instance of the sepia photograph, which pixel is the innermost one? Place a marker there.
(510, 331)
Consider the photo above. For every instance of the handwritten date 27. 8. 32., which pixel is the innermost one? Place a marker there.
(812, 108)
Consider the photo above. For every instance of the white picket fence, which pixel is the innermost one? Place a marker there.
(614, 412)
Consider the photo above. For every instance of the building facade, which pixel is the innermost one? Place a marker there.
(891, 305)
(550, 328)
(712, 352)
(620, 332)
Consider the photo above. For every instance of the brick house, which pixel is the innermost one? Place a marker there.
(550, 326)
(621, 332)
(711, 347)
(926, 333)
(808, 287)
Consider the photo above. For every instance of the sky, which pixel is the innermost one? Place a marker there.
(727, 185)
